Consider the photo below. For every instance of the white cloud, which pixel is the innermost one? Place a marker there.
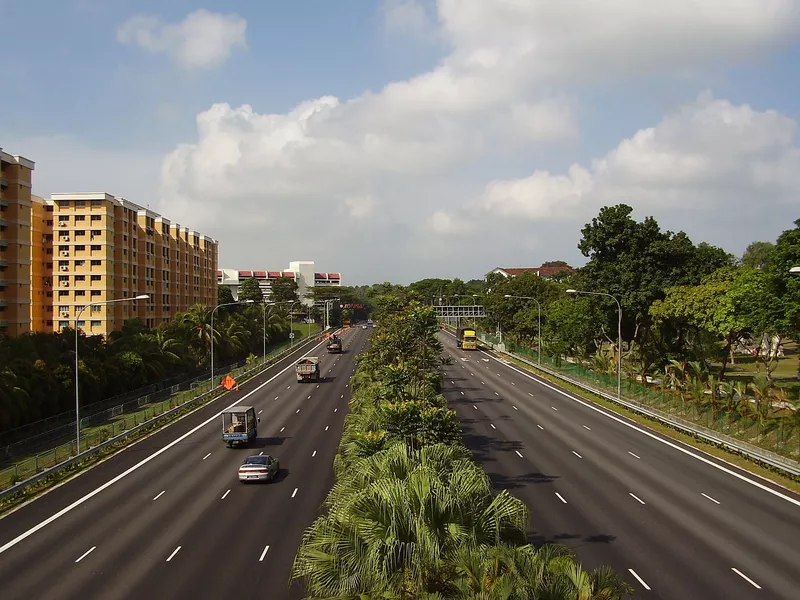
(710, 159)
(411, 17)
(395, 159)
(203, 40)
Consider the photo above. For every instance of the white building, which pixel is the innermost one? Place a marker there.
(301, 271)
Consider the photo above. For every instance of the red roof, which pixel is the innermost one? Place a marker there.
(288, 273)
(260, 274)
(219, 273)
(272, 274)
(245, 273)
(333, 276)
(320, 275)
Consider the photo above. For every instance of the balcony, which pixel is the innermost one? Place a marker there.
(3, 283)
(3, 182)
(3, 324)
(3, 223)
(3, 263)
(3, 303)
(3, 243)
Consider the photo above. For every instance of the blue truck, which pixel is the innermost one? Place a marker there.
(239, 425)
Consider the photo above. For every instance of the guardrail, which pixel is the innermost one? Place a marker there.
(750, 451)
(200, 399)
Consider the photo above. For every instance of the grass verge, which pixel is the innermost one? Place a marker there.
(723, 454)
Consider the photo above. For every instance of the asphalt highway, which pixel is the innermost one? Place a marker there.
(678, 523)
(168, 518)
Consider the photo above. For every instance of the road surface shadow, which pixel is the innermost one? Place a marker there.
(482, 445)
(269, 441)
(503, 482)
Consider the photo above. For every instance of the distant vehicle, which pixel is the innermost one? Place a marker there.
(307, 369)
(334, 345)
(345, 323)
(259, 468)
(239, 425)
(363, 327)
(467, 338)
(370, 322)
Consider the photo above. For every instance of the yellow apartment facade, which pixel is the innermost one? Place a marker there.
(97, 247)
(15, 243)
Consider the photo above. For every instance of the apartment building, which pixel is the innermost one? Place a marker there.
(15, 243)
(301, 271)
(103, 248)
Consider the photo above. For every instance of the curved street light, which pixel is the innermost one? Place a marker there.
(77, 388)
(619, 335)
(212, 332)
(539, 306)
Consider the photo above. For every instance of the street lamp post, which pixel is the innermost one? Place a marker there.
(212, 333)
(539, 306)
(77, 388)
(291, 331)
(619, 335)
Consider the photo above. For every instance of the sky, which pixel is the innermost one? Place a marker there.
(393, 140)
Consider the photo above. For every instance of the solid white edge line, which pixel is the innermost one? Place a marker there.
(639, 579)
(294, 493)
(225, 494)
(560, 497)
(635, 497)
(710, 498)
(85, 554)
(655, 437)
(519, 453)
(263, 554)
(142, 462)
(174, 552)
(159, 495)
(745, 577)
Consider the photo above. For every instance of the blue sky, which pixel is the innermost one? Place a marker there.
(75, 93)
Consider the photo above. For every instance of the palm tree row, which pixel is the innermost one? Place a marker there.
(412, 515)
(37, 373)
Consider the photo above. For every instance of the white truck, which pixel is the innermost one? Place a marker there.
(308, 369)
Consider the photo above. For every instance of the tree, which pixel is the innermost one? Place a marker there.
(283, 289)
(757, 255)
(224, 295)
(250, 290)
(709, 306)
(556, 263)
(636, 262)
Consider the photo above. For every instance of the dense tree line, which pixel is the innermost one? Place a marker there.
(37, 370)
(411, 515)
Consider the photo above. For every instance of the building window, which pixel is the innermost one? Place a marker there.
(97, 202)
(80, 277)
(80, 218)
(63, 324)
(79, 232)
(81, 323)
(96, 217)
(96, 263)
(95, 247)
(80, 248)
(95, 292)
(95, 277)
(80, 293)
(95, 323)
(80, 203)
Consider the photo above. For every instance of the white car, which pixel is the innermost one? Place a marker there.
(259, 468)
(363, 327)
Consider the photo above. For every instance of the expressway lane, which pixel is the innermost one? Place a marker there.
(699, 533)
(189, 496)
